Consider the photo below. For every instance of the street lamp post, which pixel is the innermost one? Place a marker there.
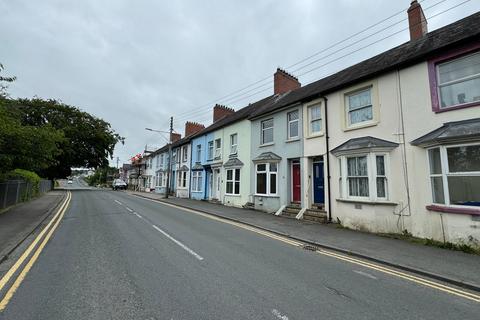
(169, 153)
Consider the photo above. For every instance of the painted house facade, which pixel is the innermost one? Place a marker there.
(277, 150)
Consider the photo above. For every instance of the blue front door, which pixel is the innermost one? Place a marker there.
(318, 194)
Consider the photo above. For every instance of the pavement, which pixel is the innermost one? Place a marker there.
(455, 267)
(20, 221)
(117, 256)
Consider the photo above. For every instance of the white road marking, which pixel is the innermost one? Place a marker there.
(184, 247)
(368, 275)
(128, 209)
(118, 202)
(280, 316)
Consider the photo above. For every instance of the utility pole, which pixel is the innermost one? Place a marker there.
(169, 158)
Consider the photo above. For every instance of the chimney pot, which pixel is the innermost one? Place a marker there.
(284, 82)
(220, 112)
(192, 127)
(416, 21)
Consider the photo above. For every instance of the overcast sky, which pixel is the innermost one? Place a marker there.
(136, 63)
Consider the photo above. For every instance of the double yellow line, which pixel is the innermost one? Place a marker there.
(48, 230)
(344, 257)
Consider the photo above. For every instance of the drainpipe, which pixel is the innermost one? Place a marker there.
(327, 137)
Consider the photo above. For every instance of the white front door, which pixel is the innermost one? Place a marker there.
(217, 183)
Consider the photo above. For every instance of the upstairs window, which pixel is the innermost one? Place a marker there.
(210, 150)
(233, 143)
(184, 153)
(199, 152)
(292, 118)
(359, 108)
(218, 148)
(458, 81)
(315, 119)
(267, 131)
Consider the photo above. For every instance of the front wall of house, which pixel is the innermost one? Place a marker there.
(183, 192)
(243, 131)
(287, 150)
(421, 120)
(203, 141)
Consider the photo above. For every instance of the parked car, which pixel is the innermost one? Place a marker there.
(119, 184)
(69, 181)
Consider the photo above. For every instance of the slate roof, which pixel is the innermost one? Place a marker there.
(233, 162)
(412, 52)
(267, 156)
(451, 132)
(364, 143)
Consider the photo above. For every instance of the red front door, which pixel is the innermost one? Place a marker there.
(296, 187)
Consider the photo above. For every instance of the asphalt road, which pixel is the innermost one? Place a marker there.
(116, 256)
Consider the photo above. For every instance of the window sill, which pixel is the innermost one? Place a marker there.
(266, 144)
(267, 195)
(232, 195)
(378, 202)
(361, 126)
(292, 140)
(312, 136)
(457, 107)
(193, 191)
(449, 209)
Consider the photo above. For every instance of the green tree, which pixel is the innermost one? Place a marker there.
(88, 141)
(24, 146)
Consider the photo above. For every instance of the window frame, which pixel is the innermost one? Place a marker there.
(235, 178)
(290, 122)
(445, 173)
(184, 153)
(199, 152)
(197, 178)
(218, 148)
(268, 173)
(371, 175)
(263, 129)
(210, 150)
(311, 119)
(233, 146)
(448, 56)
(347, 110)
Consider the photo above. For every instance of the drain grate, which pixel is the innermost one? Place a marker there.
(309, 247)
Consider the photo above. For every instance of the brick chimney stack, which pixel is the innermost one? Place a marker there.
(175, 137)
(416, 21)
(220, 112)
(192, 127)
(284, 82)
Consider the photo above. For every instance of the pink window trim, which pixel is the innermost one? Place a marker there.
(432, 75)
(457, 210)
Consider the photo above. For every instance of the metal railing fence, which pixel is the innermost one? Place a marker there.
(16, 191)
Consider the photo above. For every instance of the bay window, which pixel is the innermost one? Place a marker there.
(233, 181)
(455, 174)
(197, 181)
(267, 131)
(266, 178)
(364, 177)
(292, 118)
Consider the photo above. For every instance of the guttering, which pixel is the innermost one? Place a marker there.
(328, 160)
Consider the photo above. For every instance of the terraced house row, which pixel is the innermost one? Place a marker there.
(389, 144)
